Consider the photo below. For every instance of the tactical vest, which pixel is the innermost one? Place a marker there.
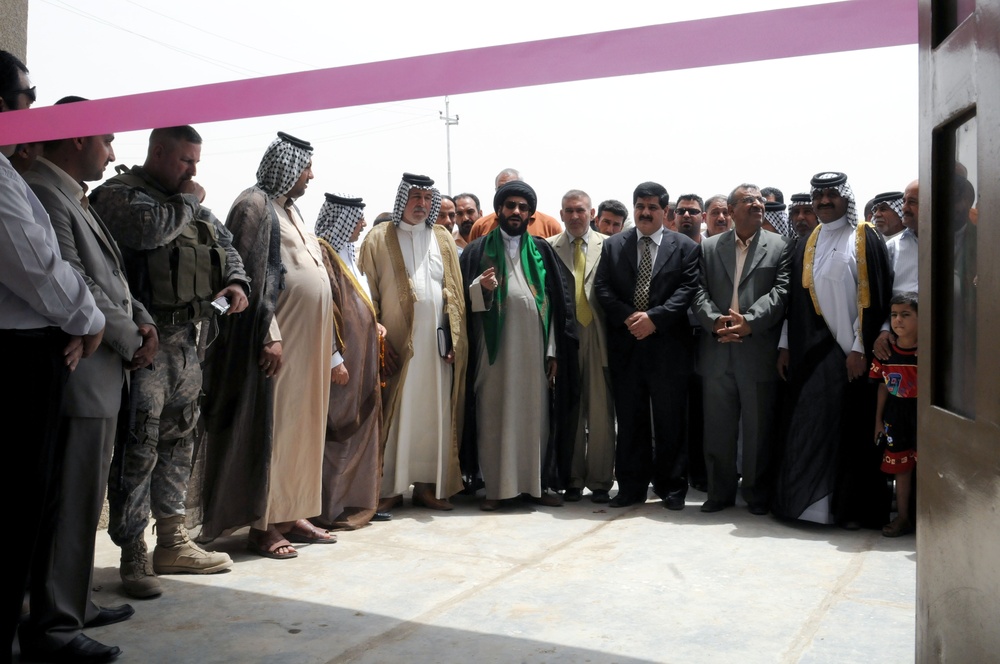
(184, 274)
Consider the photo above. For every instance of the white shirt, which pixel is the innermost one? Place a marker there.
(37, 288)
(835, 280)
(903, 252)
(653, 247)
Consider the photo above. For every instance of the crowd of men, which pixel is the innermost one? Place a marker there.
(720, 344)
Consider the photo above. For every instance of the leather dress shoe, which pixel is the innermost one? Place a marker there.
(423, 496)
(386, 504)
(489, 505)
(599, 496)
(81, 650)
(759, 509)
(110, 615)
(573, 495)
(674, 500)
(712, 505)
(546, 499)
(382, 516)
(626, 498)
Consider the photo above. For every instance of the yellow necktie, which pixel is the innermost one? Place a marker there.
(583, 313)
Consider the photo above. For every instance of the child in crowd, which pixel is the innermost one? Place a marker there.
(896, 414)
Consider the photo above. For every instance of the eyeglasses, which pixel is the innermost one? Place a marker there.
(511, 205)
(750, 200)
(680, 212)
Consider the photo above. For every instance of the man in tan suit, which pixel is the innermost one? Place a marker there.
(61, 575)
(579, 250)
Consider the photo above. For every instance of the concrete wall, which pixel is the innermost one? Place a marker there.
(14, 27)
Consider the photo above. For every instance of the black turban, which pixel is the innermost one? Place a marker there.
(515, 188)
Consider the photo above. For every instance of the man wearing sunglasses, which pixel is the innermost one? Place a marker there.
(522, 329)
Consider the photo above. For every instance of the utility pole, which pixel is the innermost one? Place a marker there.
(448, 122)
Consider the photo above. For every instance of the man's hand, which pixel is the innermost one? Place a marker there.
(193, 188)
(488, 279)
(551, 370)
(783, 363)
(338, 374)
(390, 359)
(237, 298)
(856, 365)
(73, 352)
(270, 358)
(881, 347)
(736, 328)
(381, 330)
(147, 351)
(640, 325)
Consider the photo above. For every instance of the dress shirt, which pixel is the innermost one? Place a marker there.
(37, 288)
(656, 237)
(742, 248)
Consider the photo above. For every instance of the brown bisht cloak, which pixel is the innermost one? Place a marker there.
(352, 459)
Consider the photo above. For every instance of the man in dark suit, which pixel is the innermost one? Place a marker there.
(741, 302)
(62, 572)
(646, 281)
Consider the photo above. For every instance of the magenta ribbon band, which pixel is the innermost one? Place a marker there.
(767, 35)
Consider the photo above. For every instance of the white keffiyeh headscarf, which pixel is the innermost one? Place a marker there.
(411, 181)
(836, 181)
(282, 164)
(894, 199)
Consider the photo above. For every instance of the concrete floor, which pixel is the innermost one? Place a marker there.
(579, 583)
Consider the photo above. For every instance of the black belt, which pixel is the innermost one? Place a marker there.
(33, 333)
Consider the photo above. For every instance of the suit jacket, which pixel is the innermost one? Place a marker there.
(563, 245)
(672, 287)
(94, 389)
(763, 296)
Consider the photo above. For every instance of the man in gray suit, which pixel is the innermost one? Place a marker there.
(61, 576)
(741, 300)
(579, 251)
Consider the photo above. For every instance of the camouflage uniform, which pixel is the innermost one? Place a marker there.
(153, 468)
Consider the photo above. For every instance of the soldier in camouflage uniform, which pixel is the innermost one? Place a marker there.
(179, 259)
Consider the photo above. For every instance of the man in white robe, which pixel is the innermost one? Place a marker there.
(415, 283)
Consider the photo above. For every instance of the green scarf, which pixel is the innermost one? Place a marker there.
(495, 256)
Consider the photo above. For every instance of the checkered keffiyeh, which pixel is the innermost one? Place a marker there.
(408, 182)
(895, 203)
(282, 164)
(337, 218)
(779, 219)
(844, 189)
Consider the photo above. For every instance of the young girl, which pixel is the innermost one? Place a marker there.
(896, 413)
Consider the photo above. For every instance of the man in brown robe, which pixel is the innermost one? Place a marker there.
(352, 463)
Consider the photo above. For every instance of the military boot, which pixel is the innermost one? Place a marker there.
(175, 553)
(138, 579)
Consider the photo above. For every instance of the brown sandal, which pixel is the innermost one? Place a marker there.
(266, 545)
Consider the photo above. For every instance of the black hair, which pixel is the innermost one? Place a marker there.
(908, 298)
(773, 191)
(647, 189)
(615, 207)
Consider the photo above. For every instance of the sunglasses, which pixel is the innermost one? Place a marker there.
(520, 207)
(680, 212)
(30, 92)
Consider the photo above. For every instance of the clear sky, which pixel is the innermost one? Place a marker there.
(705, 130)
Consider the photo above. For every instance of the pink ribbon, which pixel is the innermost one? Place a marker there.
(767, 35)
